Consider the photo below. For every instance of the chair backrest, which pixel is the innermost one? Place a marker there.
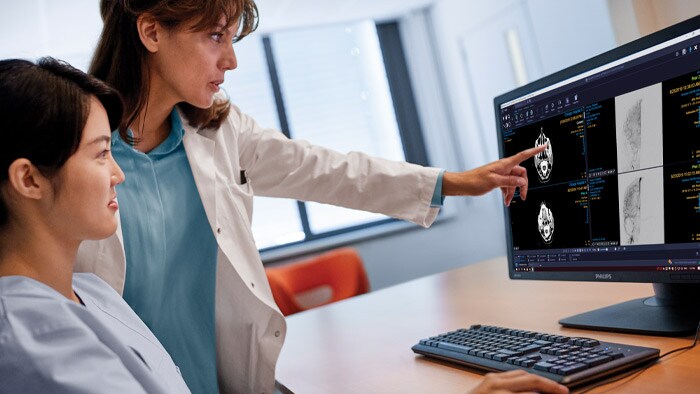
(338, 274)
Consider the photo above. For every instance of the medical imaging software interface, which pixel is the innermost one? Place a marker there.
(618, 186)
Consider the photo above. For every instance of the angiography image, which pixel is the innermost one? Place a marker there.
(545, 223)
(638, 124)
(632, 131)
(545, 160)
(641, 198)
(631, 207)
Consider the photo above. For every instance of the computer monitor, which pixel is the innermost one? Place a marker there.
(615, 196)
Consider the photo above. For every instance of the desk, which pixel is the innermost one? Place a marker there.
(363, 345)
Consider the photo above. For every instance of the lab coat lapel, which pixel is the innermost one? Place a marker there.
(200, 154)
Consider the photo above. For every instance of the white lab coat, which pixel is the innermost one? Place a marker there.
(250, 329)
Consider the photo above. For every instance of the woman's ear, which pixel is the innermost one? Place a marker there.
(149, 32)
(26, 180)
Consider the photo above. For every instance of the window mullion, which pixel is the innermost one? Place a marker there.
(284, 123)
(402, 93)
(276, 88)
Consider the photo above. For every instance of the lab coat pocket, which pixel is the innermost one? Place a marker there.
(241, 197)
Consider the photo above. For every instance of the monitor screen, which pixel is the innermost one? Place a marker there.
(615, 196)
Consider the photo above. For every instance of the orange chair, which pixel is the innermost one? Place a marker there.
(323, 279)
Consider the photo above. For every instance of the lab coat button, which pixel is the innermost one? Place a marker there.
(252, 284)
(277, 334)
(218, 230)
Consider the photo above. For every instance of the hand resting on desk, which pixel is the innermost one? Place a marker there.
(517, 381)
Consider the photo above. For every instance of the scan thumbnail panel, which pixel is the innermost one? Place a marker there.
(563, 160)
(638, 125)
(641, 197)
(552, 217)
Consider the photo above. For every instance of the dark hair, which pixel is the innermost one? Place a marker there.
(43, 110)
(120, 56)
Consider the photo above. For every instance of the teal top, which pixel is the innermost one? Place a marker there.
(170, 254)
(438, 198)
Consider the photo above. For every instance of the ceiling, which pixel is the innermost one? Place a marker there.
(284, 14)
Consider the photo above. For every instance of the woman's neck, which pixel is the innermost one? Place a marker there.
(40, 255)
(152, 125)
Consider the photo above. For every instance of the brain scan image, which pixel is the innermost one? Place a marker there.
(545, 223)
(632, 130)
(544, 160)
(631, 210)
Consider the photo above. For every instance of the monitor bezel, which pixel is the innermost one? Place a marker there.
(625, 50)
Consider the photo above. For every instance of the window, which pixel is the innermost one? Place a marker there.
(327, 85)
(341, 86)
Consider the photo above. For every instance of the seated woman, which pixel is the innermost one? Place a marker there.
(59, 331)
(65, 332)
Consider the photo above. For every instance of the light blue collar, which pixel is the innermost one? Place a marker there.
(177, 132)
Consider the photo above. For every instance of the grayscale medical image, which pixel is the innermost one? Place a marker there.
(638, 125)
(631, 211)
(545, 223)
(641, 207)
(544, 161)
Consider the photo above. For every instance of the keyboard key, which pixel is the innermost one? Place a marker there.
(573, 369)
(454, 348)
(591, 343)
(528, 363)
(557, 369)
(597, 360)
(510, 352)
(544, 366)
(530, 349)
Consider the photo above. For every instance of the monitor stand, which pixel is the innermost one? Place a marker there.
(673, 311)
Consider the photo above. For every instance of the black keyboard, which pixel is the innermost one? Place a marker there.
(571, 361)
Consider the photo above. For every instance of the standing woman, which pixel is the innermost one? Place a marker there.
(184, 257)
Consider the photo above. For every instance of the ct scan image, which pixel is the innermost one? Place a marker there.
(545, 160)
(641, 199)
(545, 223)
(638, 126)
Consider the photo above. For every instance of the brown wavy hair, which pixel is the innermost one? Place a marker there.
(120, 56)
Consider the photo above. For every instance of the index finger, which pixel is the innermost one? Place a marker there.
(524, 155)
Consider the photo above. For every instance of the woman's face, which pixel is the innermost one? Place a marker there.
(84, 204)
(190, 65)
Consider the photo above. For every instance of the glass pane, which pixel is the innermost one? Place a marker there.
(249, 86)
(275, 221)
(336, 95)
(324, 217)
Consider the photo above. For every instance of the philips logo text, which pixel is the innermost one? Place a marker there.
(603, 276)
